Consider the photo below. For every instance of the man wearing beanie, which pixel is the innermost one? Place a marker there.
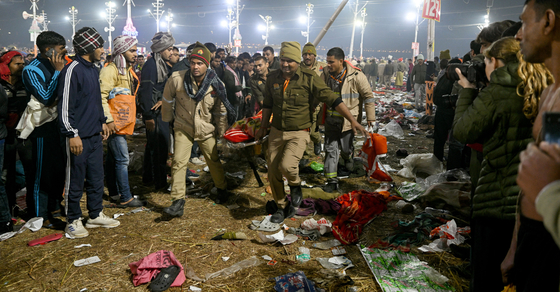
(288, 97)
(81, 121)
(309, 55)
(40, 78)
(418, 76)
(195, 101)
(118, 78)
(154, 76)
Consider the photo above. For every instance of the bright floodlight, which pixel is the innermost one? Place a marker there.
(174, 25)
(163, 24)
(261, 27)
(148, 10)
(111, 4)
(303, 19)
(67, 18)
(224, 23)
(419, 3)
(272, 27)
(358, 23)
(103, 15)
(230, 2)
(411, 16)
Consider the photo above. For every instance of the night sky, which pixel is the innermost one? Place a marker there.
(388, 30)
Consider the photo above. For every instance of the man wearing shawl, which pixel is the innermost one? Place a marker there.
(115, 78)
(196, 101)
(154, 76)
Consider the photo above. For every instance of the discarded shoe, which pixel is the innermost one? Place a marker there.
(176, 208)
(330, 187)
(288, 212)
(297, 196)
(222, 197)
(265, 224)
(197, 161)
(102, 221)
(134, 203)
(164, 279)
(317, 148)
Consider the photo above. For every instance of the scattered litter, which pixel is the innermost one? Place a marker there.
(304, 255)
(140, 209)
(87, 261)
(266, 258)
(34, 224)
(327, 244)
(194, 288)
(284, 240)
(397, 271)
(392, 129)
(145, 269)
(237, 175)
(339, 250)
(272, 263)
(250, 262)
(447, 234)
(117, 215)
(233, 207)
(82, 245)
(334, 263)
(206, 169)
(420, 163)
(410, 191)
(230, 235)
(340, 260)
(263, 194)
(387, 167)
(84, 289)
(225, 259)
(45, 240)
(323, 225)
(294, 282)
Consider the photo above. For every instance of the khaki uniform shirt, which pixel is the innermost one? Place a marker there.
(291, 101)
(258, 85)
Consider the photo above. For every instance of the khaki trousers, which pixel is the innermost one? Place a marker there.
(183, 145)
(285, 150)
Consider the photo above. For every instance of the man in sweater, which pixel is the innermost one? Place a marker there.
(197, 104)
(81, 122)
(418, 76)
(115, 78)
(154, 76)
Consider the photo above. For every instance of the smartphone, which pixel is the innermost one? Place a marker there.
(551, 127)
(50, 53)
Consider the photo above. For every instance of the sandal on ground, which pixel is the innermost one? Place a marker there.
(134, 203)
(264, 225)
(164, 279)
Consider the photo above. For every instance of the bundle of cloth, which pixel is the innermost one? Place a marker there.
(244, 129)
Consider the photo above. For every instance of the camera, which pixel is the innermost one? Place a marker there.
(449, 100)
(474, 71)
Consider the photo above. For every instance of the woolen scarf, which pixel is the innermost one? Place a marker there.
(161, 41)
(122, 44)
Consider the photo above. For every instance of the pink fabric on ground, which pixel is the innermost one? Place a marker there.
(147, 268)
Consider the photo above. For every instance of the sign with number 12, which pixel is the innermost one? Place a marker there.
(432, 9)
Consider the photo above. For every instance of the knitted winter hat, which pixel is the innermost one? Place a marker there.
(202, 53)
(309, 48)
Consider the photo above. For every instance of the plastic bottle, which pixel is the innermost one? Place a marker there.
(327, 244)
(304, 255)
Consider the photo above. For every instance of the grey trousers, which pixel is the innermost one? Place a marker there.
(337, 143)
(419, 95)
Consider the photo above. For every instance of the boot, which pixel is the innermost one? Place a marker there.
(222, 197)
(288, 212)
(297, 196)
(317, 148)
(331, 187)
(176, 208)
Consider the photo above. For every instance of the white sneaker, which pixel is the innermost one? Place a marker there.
(197, 161)
(76, 229)
(102, 221)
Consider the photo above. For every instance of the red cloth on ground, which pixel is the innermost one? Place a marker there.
(358, 208)
(147, 268)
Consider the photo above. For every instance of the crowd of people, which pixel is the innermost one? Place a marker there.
(491, 109)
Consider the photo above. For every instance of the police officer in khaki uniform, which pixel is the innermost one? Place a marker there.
(309, 55)
(258, 80)
(289, 98)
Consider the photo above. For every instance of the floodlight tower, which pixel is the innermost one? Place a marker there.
(34, 30)
(158, 6)
(364, 14)
(45, 21)
(267, 19)
(129, 28)
(309, 10)
(74, 13)
(110, 19)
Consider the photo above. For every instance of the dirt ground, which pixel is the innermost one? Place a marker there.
(50, 267)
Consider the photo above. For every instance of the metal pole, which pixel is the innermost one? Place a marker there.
(34, 19)
(416, 31)
(329, 23)
(431, 39)
(237, 24)
(169, 19)
(353, 30)
(364, 14)
(308, 19)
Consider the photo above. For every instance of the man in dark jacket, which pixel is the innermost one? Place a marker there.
(5, 215)
(40, 78)
(418, 76)
(273, 62)
(154, 76)
(81, 122)
(445, 112)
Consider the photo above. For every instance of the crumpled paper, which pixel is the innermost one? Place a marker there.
(279, 236)
(323, 225)
(447, 234)
(34, 224)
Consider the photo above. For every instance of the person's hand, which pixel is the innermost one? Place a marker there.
(507, 266)
(150, 125)
(157, 105)
(463, 81)
(539, 166)
(57, 61)
(371, 123)
(247, 98)
(106, 132)
(357, 128)
(112, 128)
(259, 134)
(76, 146)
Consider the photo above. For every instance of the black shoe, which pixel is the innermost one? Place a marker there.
(317, 148)
(289, 211)
(6, 227)
(164, 279)
(134, 203)
(222, 197)
(297, 196)
(176, 208)
(191, 175)
(277, 217)
(330, 187)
